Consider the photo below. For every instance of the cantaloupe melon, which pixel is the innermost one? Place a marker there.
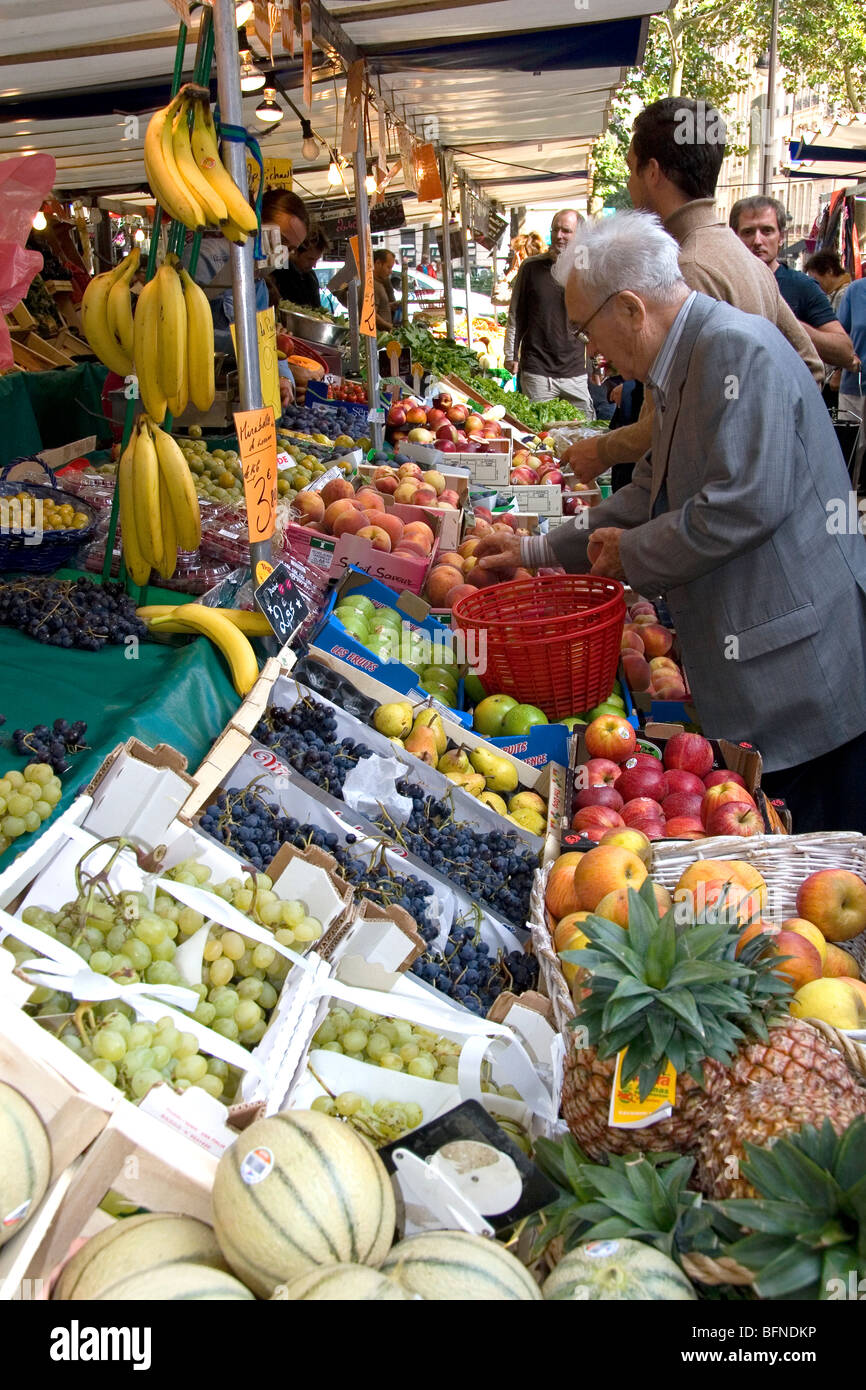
(182, 1282)
(298, 1190)
(140, 1245)
(342, 1284)
(617, 1269)
(457, 1267)
(25, 1161)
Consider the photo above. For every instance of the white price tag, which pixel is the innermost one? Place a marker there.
(285, 461)
(376, 417)
(331, 379)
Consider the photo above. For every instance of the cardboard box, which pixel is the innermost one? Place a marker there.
(451, 520)
(540, 500)
(335, 554)
(138, 791)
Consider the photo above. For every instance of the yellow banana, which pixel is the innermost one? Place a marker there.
(94, 321)
(176, 478)
(232, 232)
(119, 304)
(171, 332)
(163, 175)
(199, 343)
(145, 336)
(231, 641)
(145, 492)
(212, 204)
(168, 561)
(252, 624)
(178, 404)
(204, 148)
(137, 566)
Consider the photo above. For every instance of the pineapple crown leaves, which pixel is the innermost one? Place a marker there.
(668, 992)
(641, 1196)
(807, 1227)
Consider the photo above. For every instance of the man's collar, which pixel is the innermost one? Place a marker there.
(700, 212)
(658, 376)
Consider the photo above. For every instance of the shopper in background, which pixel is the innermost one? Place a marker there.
(552, 363)
(760, 224)
(728, 520)
(383, 264)
(299, 282)
(852, 389)
(826, 269)
(676, 152)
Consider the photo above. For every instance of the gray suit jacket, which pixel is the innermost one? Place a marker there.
(762, 569)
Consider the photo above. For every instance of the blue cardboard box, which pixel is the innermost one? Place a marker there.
(546, 743)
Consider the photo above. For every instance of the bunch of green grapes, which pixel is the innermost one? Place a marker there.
(136, 1056)
(389, 1042)
(381, 1122)
(27, 799)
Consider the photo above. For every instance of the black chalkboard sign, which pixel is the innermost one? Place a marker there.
(282, 603)
(385, 218)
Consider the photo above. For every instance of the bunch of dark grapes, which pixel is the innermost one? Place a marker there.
(51, 745)
(467, 970)
(490, 866)
(70, 613)
(305, 737)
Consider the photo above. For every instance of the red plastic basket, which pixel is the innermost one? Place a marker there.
(553, 642)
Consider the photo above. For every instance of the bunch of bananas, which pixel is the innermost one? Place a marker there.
(226, 628)
(173, 343)
(158, 504)
(106, 315)
(185, 171)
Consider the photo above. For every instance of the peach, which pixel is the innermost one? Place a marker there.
(669, 690)
(409, 470)
(804, 963)
(433, 478)
(338, 508)
(388, 522)
(406, 492)
(630, 641)
(569, 937)
(614, 905)
(460, 592)
(310, 508)
(349, 523)
(479, 530)
(368, 498)
(657, 640)
(451, 557)
(440, 581)
(468, 547)
(637, 672)
(664, 663)
(425, 497)
(411, 549)
(379, 539)
(421, 531)
(839, 963)
(387, 484)
(335, 489)
(450, 499)
(482, 579)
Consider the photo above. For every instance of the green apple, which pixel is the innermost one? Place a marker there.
(490, 715)
(439, 692)
(361, 602)
(440, 676)
(389, 615)
(475, 691)
(571, 721)
(605, 708)
(522, 718)
(354, 622)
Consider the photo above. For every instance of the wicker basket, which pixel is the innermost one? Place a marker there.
(55, 548)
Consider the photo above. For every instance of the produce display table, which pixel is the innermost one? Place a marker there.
(42, 410)
(181, 695)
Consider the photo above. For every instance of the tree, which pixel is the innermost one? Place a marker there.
(821, 44)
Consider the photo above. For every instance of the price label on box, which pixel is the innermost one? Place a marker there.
(542, 501)
(488, 470)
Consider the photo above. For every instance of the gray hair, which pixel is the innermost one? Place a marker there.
(628, 251)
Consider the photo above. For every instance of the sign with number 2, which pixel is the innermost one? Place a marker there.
(257, 446)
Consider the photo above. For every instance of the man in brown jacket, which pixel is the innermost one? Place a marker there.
(676, 151)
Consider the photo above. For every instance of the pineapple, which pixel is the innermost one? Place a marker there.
(804, 1240)
(664, 991)
(758, 1113)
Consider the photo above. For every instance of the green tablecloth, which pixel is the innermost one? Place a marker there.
(177, 695)
(43, 410)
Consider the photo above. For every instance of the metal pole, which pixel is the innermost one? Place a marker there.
(404, 287)
(446, 251)
(769, 143)
(464, 228)
(371, 345)
(354, 335)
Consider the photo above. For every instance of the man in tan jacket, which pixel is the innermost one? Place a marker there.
(676, 151)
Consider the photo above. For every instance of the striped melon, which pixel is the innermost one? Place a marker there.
(617, 1269)
(189, 1283)
(25, 1161)
(139, 1247)
(457, 1267)
(298, 1190)
(342, 1284)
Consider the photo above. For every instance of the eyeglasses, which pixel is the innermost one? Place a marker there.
(580, 330)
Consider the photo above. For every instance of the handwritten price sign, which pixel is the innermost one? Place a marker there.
(257, 446)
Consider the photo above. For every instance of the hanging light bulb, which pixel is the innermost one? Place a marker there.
(370, 183)
(40, 221)
(243, 12)
(310, 148)
(251, 78)
(138, 235)
(334, 175)
(268, 110)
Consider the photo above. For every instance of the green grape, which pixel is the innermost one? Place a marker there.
(223, 891)
(200, 989)
(448, 1076)
(137, 1058)
(35, 917)
(182, 1085)
(204, 1013)
(192, 1068)
(189, 921)
(213, 949)
(138, 953)
(186, 1045)
(360, 1015)
(348, 1103)
(422, 1065)
(412, 1114)
(377, 1045)
(140, 1035)
(32, 821)
(18, 805)
(115, 939)
(268, 996)
(264, 957)
(217, 1067)
(354, 1039)
(251, 988)
(5, 786)
(143, 1080)
(110, 1045)
(212, 1084)
(172, 930)
(309, 929)
(409, 1051)
(227, 1027)
(42, 773)
(164, 906)
(2, 805)
(163, 950)
(150, 931)
(122, 970)
(94, 937)
(200, 872)
(245, 966)
(161, 1056)
(341, 1020)
(243, 899)
(392, 1060)
(166, 1034)
(386, 1026)
(293, 913)
(162, 972)
(247, 1014)
(84, 950)
(15, 779)
(51, 794)
(221, 971)
(284, 936)
(226, 1003)
(117, 1020)
(403, 1031)
(233, 945)
(73, 1042)
(332, 1046)
(326, 1032)
(325, 1105)
(250, 1036)
(43, 809)
(270, 912)
(12, 827)
(105, 1069)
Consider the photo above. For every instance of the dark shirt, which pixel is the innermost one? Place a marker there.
(544, 340)
(300, 286)
(806, 300)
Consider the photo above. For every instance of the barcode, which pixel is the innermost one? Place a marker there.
(323, 558)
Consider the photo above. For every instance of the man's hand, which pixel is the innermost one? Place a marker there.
(615, 394)
(287, 391)
(603, 552)
(583, 459)
(499, 552)
(511, 366)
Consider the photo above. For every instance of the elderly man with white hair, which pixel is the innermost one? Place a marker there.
(740, 517)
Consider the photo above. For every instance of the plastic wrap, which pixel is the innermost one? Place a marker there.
(25, 182)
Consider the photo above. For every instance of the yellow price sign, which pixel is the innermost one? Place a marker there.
(257, 446)
(268, 360)
(367, 316)
(628, 1111)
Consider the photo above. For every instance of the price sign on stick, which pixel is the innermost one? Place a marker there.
(368, 307)
(393, 350)
(257, 446)
(268, 361)
(282, 602)
(417, 373)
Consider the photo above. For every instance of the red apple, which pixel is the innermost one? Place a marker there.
(595, 820)
(735, 818)
(689, 753)
(720, 795)
(642, 781)
(835, 900)
(682, 804)
(678, 781)
(523, 477)
(641, 808)
(684, 828)
(722, 774)
(416, 415)
(435, 417)
(609, 736)
(396, 415)
(599, 796)
(552, 477)
(474, 424)
(598, 772)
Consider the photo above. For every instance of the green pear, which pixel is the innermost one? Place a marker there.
(471, 782)
(394, 720)
(499, 774)
(528, 801)
(455, 760)
(491, 799)
(430, 719)
(530, 820)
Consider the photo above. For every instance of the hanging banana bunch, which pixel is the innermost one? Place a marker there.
(159, 512)
(173, 343)
(106, 315)
(185, 171)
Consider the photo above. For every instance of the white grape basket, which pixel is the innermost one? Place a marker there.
(783, 861)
